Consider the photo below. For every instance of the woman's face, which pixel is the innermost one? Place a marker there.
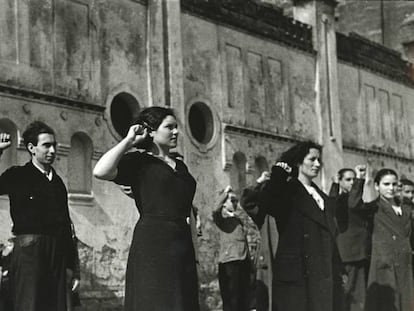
(387, 186)
(167, 133)
(311, 164)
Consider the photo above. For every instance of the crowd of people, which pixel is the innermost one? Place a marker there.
(350, 250)
(347, 251)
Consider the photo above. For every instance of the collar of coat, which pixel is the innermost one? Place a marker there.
(398, 224)
(309, 208)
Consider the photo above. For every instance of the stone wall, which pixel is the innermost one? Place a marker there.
(246, 76)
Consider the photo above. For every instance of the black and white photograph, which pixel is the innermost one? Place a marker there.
(206, 155)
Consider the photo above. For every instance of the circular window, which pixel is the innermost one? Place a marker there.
(124, 109)
(201, 121)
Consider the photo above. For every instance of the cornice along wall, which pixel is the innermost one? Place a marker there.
(265, 20)
(256, 18)
(364, 53)
(64, 101)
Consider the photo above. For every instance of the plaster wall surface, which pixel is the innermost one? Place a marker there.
(64, 62)
(379, 110)
(384, 22)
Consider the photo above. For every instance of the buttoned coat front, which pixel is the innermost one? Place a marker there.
(307, 267)
(390, 281)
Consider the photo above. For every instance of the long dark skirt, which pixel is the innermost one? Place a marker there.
(161, 273)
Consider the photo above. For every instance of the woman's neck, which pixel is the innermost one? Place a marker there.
(391, 201)
(160, 151)
(304, 179)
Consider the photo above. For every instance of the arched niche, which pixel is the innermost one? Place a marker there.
(260, 165)
(80, 164)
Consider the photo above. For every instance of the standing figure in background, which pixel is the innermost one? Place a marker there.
(307, 267)
(407, 192)
(390, 279)
(353, 243)
(268, 242)
(5, 294)
(234, 259)
(41, 224)
(161, 272)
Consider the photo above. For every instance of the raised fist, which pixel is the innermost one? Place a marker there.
(5, 141)
(285, 166)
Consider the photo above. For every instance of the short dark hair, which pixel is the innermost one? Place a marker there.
(153, 116)
(383, 172)
(295, 155)
(406, 182)
(33, 130)
(342, 171)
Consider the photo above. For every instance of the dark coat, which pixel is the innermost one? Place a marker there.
(307, 267)
(390, 280)
(266, 252)
(353, 239)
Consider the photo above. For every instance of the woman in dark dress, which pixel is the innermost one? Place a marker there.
(161, 271)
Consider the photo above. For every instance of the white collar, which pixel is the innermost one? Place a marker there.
(49, 175)
(397, 210)
(315, 195)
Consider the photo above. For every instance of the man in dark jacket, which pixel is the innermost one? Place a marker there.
(41, 224)
(353, 240)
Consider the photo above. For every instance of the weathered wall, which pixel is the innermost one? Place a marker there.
(65, 62)
(245, 80)
(380, 21)
(376, 120)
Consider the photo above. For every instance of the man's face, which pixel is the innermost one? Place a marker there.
(347, 180)
(407, 193)
(44, 152)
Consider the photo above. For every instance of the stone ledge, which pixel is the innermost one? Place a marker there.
(259, 133)
(64, 101)
(81, 199)
(378, 152)
(367, 54)
(256, 18)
